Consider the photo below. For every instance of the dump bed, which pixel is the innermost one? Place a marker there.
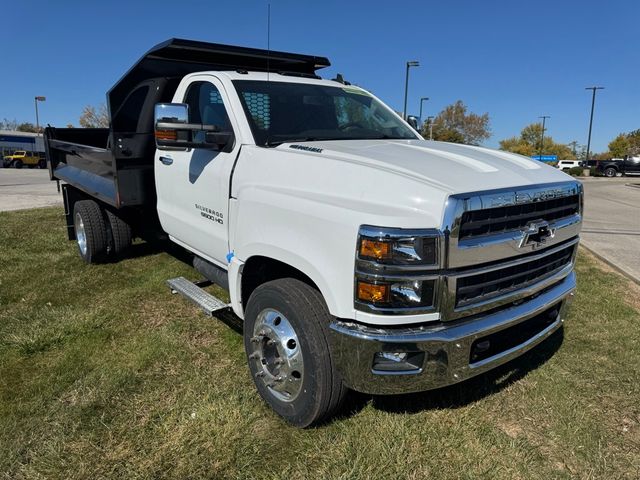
(115, 164)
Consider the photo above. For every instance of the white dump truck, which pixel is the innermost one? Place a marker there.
(358, 255)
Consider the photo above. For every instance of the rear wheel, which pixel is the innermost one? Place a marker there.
(17, 164)
(120, 238)
(610, 172)
(286, 340)
(91, 231)
(42, 164)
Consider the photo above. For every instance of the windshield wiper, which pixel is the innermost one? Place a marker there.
(275, 143)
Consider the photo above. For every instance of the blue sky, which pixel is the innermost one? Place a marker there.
(515, 60)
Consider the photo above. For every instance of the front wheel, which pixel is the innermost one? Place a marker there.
(17, 164)
(286, 340)
(610, 172)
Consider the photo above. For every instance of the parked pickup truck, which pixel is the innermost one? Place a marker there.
(358, 255)
(21, 158)
(629, 165)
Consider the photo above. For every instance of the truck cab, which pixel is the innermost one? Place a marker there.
(357, 254)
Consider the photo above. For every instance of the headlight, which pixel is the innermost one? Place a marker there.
(398, 247)
(404, 294)
(395, 270)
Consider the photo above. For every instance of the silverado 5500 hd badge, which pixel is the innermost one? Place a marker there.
(210, 214)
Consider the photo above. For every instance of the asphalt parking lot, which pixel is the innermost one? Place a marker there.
(611, 228)
(611, 223)
(27, 188)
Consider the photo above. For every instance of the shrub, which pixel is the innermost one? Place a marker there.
(575, 171)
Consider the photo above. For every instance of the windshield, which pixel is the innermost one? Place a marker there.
(280, 112)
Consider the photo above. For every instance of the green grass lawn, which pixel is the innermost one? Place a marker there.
(104, 374)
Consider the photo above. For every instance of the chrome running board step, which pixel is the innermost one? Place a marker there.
(191, 291)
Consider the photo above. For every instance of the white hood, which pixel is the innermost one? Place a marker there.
(452, 168)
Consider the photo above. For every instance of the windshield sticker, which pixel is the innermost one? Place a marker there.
(306, 149)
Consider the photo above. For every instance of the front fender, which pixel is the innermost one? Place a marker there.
(289, 258)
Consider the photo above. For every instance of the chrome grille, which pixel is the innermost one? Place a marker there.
(513, 217)
(488, 284)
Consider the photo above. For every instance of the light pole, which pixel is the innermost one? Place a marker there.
(593, 103)
(544, 118)
(423, 99)
(430, 120)
(36, 100)
(412, 63)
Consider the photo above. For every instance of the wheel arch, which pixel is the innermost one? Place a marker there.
(260, 268)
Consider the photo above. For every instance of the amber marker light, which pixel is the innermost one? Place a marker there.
(375, 249)
(368, 292)
(166, 135)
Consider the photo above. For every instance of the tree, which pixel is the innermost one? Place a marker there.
(94, 118)
(454, 124)
(625, 144)
(29, 127)
(619, 146)
(528, 144)
(7, 124)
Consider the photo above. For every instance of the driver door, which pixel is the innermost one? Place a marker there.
(193, 184)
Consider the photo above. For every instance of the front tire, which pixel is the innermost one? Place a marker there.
(91, 231)
(610, 172)
(286, 333)
(17, 164)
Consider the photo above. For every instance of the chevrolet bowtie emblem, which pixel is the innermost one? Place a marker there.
(536, 233)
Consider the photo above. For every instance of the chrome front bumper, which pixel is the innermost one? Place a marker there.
(447, 347)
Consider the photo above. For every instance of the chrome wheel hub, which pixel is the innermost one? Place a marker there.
(81, 236)
(276, 355)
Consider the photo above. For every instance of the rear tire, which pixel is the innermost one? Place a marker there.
(91, 231)
(286, 332)
(42, 164)
(17, 164)
(610, 172)
(120, 234)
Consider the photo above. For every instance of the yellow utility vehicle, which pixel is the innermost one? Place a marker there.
(22, 158)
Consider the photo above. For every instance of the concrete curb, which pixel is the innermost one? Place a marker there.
(611, 264)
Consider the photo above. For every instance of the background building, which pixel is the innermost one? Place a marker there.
(10, 141)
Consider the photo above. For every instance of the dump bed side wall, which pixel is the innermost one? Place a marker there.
(80, 157)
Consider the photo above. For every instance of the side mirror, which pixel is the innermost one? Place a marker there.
(173, 130)
(413, 121)
(177, 113)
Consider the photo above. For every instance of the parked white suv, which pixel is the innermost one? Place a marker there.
(568, 164)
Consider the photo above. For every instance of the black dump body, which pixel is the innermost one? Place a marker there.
(115, 164)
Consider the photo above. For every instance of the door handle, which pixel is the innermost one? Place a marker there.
(166, 160)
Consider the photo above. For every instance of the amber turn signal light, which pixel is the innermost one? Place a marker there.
(375, 249)
(368, 292)
(166, 135)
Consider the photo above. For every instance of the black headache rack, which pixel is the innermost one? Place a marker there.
(115, 164)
